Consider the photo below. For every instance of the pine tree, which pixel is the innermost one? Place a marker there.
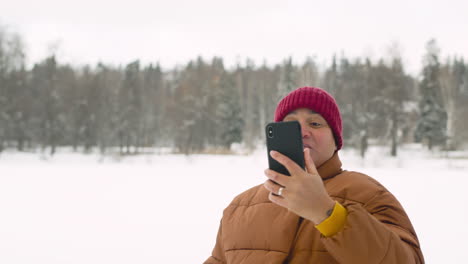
(460, 126)
(330, 79)
(432, 125)
(288, 78)
(130, 108)
(230, 121)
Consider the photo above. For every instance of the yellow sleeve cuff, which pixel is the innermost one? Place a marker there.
(335, 222)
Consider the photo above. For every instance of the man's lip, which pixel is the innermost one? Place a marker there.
(307, 146)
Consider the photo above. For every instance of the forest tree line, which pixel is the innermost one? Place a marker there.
(204, 106)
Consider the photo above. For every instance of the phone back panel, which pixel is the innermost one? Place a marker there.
(285, 138)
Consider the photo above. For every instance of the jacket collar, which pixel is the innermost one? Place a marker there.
(330, 168)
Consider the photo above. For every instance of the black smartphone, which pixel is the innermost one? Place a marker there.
(286, 138)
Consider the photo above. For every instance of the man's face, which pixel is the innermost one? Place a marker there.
(316, 134)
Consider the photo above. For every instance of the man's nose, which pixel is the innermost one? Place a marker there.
(304, 131)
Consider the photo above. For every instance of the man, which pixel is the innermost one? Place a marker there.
(319, 215)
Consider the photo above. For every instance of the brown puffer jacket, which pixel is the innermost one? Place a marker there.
(377, 229)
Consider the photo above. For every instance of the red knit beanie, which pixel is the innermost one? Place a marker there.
(315, 99)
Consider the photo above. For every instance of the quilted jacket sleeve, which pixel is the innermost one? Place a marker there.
(217, 256)
(378, 231)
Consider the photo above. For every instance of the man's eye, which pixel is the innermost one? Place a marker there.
(315, 124)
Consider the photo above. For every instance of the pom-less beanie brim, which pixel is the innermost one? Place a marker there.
(315, 99)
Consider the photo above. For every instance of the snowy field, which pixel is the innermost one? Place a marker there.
(76, 208)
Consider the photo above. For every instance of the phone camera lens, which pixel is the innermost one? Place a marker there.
(270, 132)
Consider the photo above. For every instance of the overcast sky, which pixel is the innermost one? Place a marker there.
(175, 31)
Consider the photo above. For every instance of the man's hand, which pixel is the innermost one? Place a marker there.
(303, 192)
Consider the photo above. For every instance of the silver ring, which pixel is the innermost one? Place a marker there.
(280, 191)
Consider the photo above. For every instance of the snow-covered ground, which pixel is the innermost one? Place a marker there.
(76, 208)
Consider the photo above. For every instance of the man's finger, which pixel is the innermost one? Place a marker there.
(273, 187)
(279, 200)
(290, 165)
(277, 177)
(309, 162)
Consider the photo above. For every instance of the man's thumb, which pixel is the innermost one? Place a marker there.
(309, 162)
